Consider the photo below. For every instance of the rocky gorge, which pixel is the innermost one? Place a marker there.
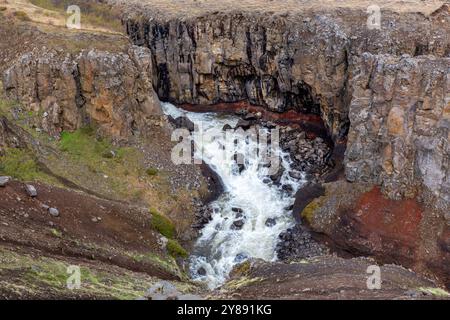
(384, 93)
(364, 115)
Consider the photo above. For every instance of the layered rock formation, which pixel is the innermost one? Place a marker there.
(111, 90)
(400, 126)
(325, 62)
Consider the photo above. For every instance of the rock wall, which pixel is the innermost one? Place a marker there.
(112, 91)
(400, 126)
(279, 61)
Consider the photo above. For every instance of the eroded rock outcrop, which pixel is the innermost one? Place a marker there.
(400, 126)
(112, 90)
(357, 218)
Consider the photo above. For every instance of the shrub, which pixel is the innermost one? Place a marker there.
(152, 172)
(176, 250)
(162, 224)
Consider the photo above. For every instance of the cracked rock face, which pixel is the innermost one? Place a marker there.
(114, 91)
(400, 126)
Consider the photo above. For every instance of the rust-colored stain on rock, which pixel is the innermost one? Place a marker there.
(383, 227)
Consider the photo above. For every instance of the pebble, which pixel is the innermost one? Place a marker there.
(31, 190)
(53, 212)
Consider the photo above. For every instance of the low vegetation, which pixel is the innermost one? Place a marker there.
(176, 250)
(21, 15)
(43, 275)
(20, 164)
(152, 172)
(162, 224)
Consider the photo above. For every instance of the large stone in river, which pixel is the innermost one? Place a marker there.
(238, 224)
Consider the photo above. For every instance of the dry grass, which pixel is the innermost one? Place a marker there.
(94, 16)
(186, 8)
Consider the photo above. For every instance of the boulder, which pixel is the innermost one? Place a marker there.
(270, 222)
(31, 190)
(238, 224)
(4, 181)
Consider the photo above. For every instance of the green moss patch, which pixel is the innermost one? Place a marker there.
(309, 211)
(176, 250)
(162, 224)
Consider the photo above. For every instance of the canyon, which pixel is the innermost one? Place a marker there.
(378, 98)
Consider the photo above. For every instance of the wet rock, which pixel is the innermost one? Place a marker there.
(276, 178)
(4, 181)
(237, 210)
(240, 162)
(244, 124)
(238, 224)
(31, 190)
(201, 271)
(241, 257)
(271, 222)
(53, 212)
(269, 125)
(295, 174)
(227, 127)
(239, 213)
(184, 122)
(250, 117)
(297, 243)
(287, 188)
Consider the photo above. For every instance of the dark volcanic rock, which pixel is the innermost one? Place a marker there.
(297, 243)
(244, 124)
(201, 271)
(183, 122)
(271, 222)
(238, 224)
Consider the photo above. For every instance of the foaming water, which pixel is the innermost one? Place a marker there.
(221, 245)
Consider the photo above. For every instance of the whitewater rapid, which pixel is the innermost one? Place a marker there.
(220, 246)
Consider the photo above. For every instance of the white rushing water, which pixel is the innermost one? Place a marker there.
(220, 246)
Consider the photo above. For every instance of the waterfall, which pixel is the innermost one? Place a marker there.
(260, 207)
